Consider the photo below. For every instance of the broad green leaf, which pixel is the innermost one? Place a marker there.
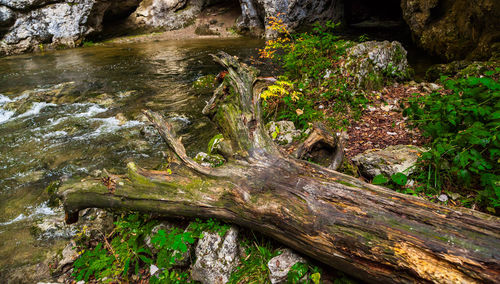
(380, 179)
(399, 178)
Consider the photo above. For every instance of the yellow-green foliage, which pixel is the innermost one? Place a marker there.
(281, 89)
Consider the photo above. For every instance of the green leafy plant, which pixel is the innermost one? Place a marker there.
(304, 273)
(311, 87)
(96, 262)
(253, 268)
(396, 181)
(129, 245)
(123, 256)
(172, 246)
(463, 124)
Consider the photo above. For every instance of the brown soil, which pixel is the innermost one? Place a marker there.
(382, 124)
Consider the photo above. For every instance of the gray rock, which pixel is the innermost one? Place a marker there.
(284, 131)
(96, 221)
(391, 160)
(26, 4)
(53, 227)
(294, 13)
(443, 198)
(162, 226)
(166, 14)
(216, 257)
(280, 265)
(57, 24)
(7, 17)
(372, 64)
(68, 255)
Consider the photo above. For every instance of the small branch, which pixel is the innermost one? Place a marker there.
(168, 134)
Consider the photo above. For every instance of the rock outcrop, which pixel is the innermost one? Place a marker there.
(28, 25)
(455, 29)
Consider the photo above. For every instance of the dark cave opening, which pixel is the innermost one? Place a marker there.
(366, 11)
(383, 20)
(112, 19)
(376, 21)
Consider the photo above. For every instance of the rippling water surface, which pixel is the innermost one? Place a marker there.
(73, 112)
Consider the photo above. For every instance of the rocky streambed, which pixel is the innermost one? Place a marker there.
(76, 112)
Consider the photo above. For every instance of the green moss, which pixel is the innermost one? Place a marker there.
(51, 190)
(205, 84)
(214, 143)
(347, 184)
(349, 168)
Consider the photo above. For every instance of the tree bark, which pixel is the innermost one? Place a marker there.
(367, 231)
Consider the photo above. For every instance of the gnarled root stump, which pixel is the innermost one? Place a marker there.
(367, 231)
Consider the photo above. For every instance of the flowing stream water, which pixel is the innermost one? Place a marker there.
(73, 112)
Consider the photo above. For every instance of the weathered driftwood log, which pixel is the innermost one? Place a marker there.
(367, 231)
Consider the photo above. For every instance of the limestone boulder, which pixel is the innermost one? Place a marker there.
(371, 64)
(294, 13)
(216, 257)
(57, 24)
(388, 161)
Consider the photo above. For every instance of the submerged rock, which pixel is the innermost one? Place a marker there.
(280, 265)
(372, 64)
(389, 161)
(216, 257)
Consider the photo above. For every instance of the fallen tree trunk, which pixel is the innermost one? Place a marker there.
(367, 231)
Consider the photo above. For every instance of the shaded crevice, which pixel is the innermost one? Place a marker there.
(363, 11)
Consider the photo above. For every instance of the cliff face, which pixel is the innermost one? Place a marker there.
(455, 29)
(27, 25)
